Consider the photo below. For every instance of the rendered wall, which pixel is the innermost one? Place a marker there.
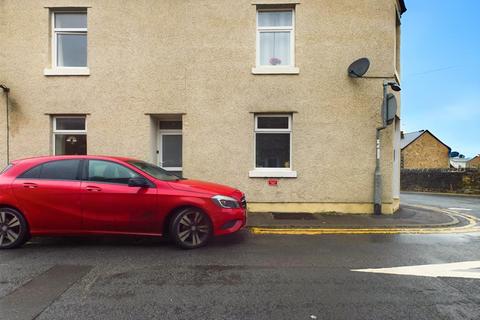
(195, 58)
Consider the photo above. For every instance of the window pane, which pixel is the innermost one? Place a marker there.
(105, 171)
(275, 18)
(171, 125)
(71, 50)
(33, 173)
(275, 48)
(272, 122)
(70, 20)
(272, 150)
(70, 144)
(172, 151)
(60, 170)
(70, 123)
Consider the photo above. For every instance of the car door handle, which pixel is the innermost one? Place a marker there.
(93, 189)
(30, 185)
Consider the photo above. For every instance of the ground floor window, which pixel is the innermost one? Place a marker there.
(273, 136)
(170, 146)
(69, 135)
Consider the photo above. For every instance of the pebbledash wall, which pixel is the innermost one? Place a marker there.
(196, 61)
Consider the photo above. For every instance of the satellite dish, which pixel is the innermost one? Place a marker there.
(391, 108)
(358, 68)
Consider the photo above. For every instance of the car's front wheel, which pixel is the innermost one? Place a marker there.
(13, 229)
(191, 228)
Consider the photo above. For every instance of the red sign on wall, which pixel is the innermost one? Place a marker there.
(272, 182)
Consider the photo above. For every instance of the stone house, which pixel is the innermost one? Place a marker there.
(422, 150)
(474, 162)
(249, 93)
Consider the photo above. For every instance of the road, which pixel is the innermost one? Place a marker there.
(465, 204)
(242, 276)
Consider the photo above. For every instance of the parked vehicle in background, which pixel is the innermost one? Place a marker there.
(92, 195)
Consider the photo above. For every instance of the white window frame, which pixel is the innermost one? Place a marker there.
(76, 132)
(261, 172)
(167, 132)
(280, 69)
(61, 70)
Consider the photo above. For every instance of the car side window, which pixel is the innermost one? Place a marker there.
(110, 172)
(60, 170)
(33, 173)
(54, 170)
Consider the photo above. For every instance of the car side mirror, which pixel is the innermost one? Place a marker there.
(138, 182)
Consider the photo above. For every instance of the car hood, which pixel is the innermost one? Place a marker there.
(205, 187)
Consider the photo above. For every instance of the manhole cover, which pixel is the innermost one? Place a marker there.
(293, 216)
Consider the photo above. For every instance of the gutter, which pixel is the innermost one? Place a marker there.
(403, 8)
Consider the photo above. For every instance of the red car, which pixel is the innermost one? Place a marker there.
(89, 195)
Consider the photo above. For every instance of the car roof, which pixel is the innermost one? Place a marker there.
(47, 158)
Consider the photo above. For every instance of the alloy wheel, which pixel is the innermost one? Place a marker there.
(10, 228)
(193, 229)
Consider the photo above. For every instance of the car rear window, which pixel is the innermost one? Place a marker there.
(6, 169)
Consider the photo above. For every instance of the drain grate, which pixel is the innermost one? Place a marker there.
(293, 216)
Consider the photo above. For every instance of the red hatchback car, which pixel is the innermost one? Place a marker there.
(89, 195)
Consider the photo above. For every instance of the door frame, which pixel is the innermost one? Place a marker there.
(167, 132)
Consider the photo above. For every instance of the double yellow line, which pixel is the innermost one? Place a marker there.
(471, 226)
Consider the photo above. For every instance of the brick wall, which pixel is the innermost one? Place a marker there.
(441, 180)
(424, 153)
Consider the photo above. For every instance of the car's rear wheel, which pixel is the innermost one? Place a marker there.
(191, 228)
(13, 229)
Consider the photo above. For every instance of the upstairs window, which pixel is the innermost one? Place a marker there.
(275, 38)
(69, 39)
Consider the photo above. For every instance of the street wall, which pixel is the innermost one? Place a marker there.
(441, 180)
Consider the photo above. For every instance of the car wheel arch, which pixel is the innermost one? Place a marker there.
(171, 214)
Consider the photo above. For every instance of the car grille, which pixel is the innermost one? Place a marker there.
(243, 202)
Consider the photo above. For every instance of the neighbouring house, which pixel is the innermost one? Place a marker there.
(422, 150)
(249, 93)
(474, 162)
(459, 162)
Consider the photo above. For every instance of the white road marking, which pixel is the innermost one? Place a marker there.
(460, 209)
(453, 270)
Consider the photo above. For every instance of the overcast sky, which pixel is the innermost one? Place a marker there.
(441, 71)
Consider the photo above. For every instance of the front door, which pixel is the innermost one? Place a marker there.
(110, 205)
(170, 147)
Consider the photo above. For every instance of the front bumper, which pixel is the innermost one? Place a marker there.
(228, 221)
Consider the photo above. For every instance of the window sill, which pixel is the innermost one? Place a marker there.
(275, 70)
(272, 173)
(80, 71)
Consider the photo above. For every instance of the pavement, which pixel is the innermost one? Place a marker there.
(248, 276)
(406, 217)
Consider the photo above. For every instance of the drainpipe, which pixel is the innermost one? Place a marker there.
(377, 200)
(7, 90)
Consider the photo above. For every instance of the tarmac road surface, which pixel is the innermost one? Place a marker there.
(247, 276)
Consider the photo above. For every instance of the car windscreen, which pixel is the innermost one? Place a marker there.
(154, 171)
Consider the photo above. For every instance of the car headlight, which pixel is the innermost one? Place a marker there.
(226, 202)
